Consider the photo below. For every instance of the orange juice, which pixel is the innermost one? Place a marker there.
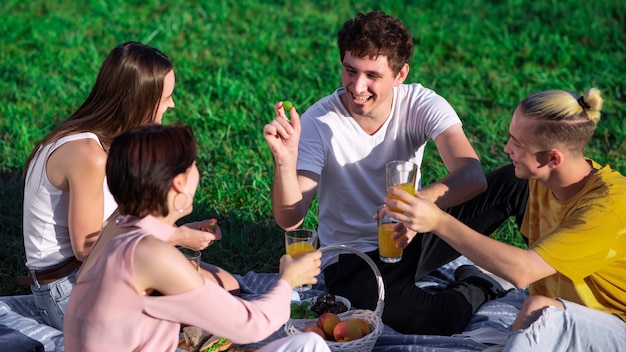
(297, 249)
(386, 246)
(407, 187)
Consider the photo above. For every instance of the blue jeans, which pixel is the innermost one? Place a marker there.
(52, 299)
(575, 328)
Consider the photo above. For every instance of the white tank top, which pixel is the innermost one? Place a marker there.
(45, 222)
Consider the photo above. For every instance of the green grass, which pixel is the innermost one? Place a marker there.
(234, 59)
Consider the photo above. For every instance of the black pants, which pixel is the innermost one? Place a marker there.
(409, 309)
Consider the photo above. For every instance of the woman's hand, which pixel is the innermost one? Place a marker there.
(197, 235)
(302, 270)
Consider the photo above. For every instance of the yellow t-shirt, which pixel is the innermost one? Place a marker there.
(584, 240)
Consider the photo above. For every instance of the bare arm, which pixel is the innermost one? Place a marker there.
(518, 266)
(292, 192)
(170, 274)
(78, 167)
(291, 200)
(465, 178)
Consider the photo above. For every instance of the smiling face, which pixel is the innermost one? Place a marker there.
(167, 101)
(368, 84)
(528, 160)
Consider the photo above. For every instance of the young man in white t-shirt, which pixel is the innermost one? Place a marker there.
(339, 150)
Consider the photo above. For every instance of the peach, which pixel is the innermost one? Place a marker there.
(327, 322)
(363, 325)
(346, 331)
(315, 329)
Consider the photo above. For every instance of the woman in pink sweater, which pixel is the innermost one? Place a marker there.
(134, 289)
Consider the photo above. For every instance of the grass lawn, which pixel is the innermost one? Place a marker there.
(234, 59)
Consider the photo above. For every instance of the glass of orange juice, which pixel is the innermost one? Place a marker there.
(299, 242)
(387, 250)
(401, 174)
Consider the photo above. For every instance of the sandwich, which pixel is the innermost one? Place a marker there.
(199, 340)
(215, 344)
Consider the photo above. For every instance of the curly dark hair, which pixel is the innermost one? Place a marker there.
(375, 34)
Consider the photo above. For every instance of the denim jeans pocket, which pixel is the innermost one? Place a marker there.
(52, 299)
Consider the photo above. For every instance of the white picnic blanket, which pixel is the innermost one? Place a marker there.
(488, 327)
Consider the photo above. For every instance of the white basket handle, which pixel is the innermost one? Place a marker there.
(379, 280)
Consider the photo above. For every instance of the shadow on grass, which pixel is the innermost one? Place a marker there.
(247, 244)
(12, 256)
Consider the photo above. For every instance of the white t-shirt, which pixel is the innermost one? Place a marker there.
(45, 222)
(351, 163)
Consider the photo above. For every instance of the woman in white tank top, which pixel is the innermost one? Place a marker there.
(66, 200)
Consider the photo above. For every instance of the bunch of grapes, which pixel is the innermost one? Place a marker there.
(327, 303)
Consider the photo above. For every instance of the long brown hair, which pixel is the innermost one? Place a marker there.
(126, 94)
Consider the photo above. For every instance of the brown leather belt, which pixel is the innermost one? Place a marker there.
(51, 274)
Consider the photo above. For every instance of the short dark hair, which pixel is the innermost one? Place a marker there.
(376, 34)
(142, 164)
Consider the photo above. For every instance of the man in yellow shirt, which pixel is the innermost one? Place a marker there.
(575, 222)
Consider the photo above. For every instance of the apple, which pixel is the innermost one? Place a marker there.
(346, 331)
(327, 322)
(363, 325)
(315, 329)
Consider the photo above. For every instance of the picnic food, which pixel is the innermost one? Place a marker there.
(363, 325)
(300, 310)
(215, 343)
(211, 227)
(332, 328)
(316, 329)
(327, 303)
(327, 322)
(197, 340)
(287, 105)
(346, 331)
(194, 337)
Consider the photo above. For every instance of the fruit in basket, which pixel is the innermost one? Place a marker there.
(327, 302)
(346, 331)
(363, 325)
(315, 329)
(327, 323)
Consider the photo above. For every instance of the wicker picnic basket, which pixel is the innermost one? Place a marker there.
(374, 318)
